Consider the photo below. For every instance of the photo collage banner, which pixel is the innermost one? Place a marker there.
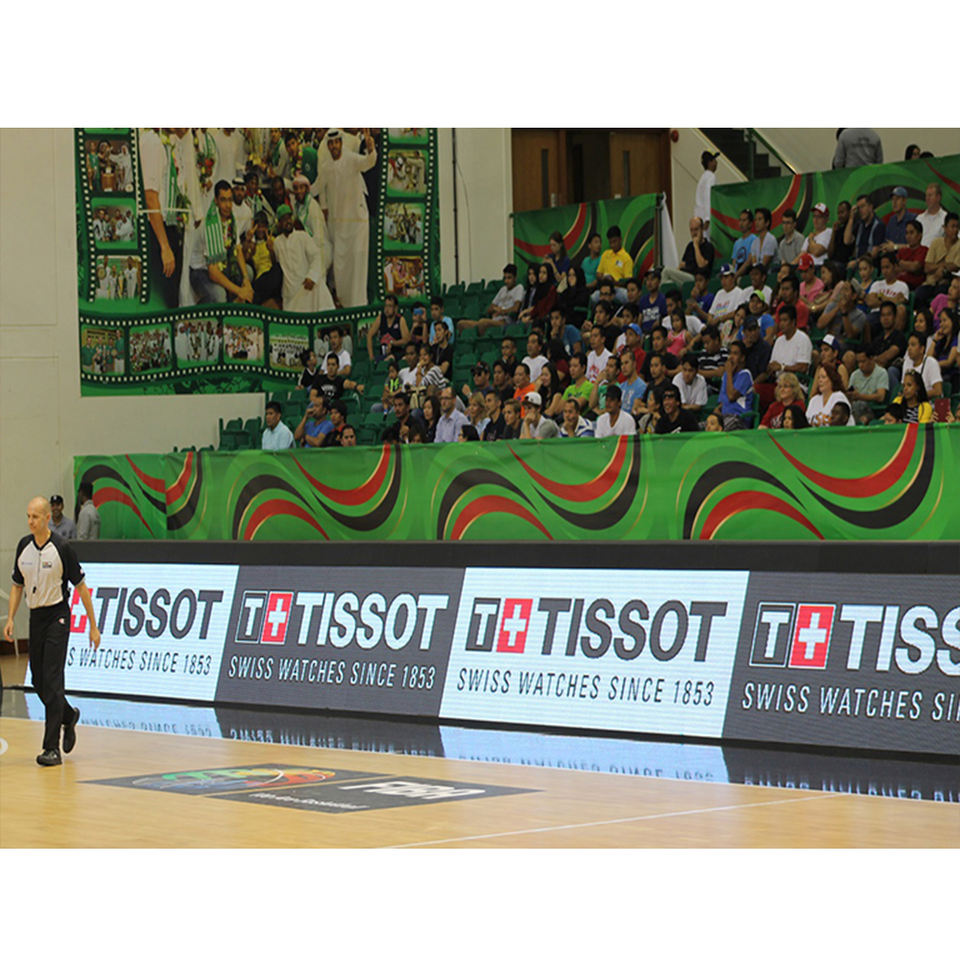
(184, 291)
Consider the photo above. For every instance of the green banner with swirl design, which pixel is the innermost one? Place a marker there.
(764, 485)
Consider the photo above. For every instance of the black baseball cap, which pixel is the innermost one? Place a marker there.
(481, 367)
(56, 498)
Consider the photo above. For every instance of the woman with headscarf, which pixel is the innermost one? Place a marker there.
(574, 301)
(544, 297)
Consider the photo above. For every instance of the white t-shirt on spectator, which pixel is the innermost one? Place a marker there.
(505, 298)
(887, 291)
(932, 224)
(536, 365)
(624, 427)
(725, 301)
(595, 365)
(929, 371)
(795, 350)
(818, 412)
(695, 392)
(823, 238)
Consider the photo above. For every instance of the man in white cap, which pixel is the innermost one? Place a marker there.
(535, 425)
(343, 196)
(303, 266)
(818, 240)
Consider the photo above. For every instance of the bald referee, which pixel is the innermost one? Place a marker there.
(43, 565)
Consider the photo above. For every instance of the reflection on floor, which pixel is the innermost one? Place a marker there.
(884, 776)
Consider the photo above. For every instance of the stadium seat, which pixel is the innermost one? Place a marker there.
(516, 330)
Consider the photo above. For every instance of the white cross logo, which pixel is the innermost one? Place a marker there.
(277, 617)
(811, 637)
(514, 625)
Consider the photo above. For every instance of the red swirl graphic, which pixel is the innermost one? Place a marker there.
(745, 500)
(493, 504)
(154, 483)
(277, 508)
(114, 495)
(582, 492)
(950, 183)
(570, 238)
(361, 494)
(788, 201)
(176, 491)
(867, 486)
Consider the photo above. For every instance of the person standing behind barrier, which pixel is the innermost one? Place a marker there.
(62, 526)
(857, 146)
(42, 567)
(88, 519)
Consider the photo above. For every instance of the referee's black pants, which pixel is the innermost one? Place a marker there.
(49, 635)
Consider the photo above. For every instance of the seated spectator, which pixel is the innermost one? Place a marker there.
(673, 418)
(477, 413)
(431, 417)
(896, 225)
(441, 353)
(865, 231)
(535, 359)
(764, 246)
(616, 265)
(789, 292)
(831, 275)
(758, 282)
(678, 337)
(537, 309)
(575, 299)
(692, 386)
(653, 304)
(949, 300)
(614, 422)
(331, 383)
(481, 380)
(698, 255)
(825, 392)
(468, 433)
(557, 259)
(315, 425)
(713, 360)
(260, 253)
(658, 348)
(757, 310)
(391, 387)
(757, 350)
(943, 348)
(336, 346)
(712, 423)
(912, 405)
(610, 375)
(792, 244)
(860, 284)
(276, 434)
(513, 420)
(889, 287)
(419, 332)
(349, 436)
(591, 262)
(309, 360)
(437, 315)
(740, 253)
(794, 417)
(736, 390)
(632, 386)
(573, 424)
(891, 345)
(792, 349)
(869, 384)
(580, 387)
(632, 340)
(650, 404)
(727, 298)
(521, 381)
(395, 433)
(832, 351)
(598, 355)
(943, 260)
(338, 417)
(535, 426)
(844, 320)
(408, 374)
(505, 305)
(788, 393)
(926, 366)
(699, 302)
(502, 381)
(932, 218)
(817, 242)
(912, 258)
(390, 331)
(508, 355)
(495, 422)
(839, 250)
(451, 419)
(730, 331)
(811, 286)
(548, 386)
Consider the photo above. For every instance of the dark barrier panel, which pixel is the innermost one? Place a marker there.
(835, 644)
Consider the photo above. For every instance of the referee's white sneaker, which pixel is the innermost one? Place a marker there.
(49, 758)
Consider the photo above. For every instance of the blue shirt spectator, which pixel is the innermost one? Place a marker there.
(741, 250)
(870, 234)
(743, 382)
(631, 392)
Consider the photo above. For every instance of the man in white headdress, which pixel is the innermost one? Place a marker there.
(343, 196)
(303, 266)
(308, 212)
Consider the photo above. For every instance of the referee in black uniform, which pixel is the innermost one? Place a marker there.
(43, 565)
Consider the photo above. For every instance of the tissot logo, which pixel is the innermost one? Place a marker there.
(78, 616)
(512, 637)
(772, 635)
(811, 636)
(264, 616)
(792, 635)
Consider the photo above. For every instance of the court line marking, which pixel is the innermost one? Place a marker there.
(603, 823)
(3, 746)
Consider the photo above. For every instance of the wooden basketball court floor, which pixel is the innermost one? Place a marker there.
(548, 808)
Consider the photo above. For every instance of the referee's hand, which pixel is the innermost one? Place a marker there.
(8, 631)
(94, 637)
